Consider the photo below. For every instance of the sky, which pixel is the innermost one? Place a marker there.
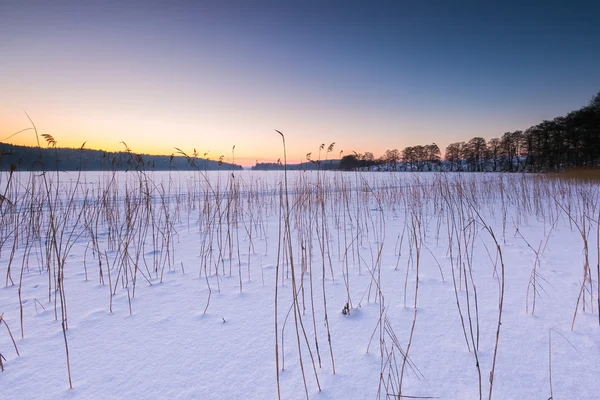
(367, 75)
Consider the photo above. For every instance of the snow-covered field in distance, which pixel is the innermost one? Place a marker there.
(198, 285)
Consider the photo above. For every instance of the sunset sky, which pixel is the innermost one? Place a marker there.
(368, 75)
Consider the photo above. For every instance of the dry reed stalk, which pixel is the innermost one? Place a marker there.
(500, 302)
(452, 227)
(297, 315)
(2, 320)
(54, 238)
(323, 242)
(583, 231)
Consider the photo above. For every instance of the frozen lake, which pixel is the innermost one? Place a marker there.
(335, 285)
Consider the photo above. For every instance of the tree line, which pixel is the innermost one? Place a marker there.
(564, 142)
(26, 158)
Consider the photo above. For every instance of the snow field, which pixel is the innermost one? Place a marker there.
(165, 286)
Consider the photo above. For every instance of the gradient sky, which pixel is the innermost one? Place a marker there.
(368, 75)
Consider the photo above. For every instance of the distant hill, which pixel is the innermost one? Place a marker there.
(25, 158)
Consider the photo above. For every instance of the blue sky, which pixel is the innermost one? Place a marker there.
(368, 75)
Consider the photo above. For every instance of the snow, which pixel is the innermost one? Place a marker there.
(193, 336)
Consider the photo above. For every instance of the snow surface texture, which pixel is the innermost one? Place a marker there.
(165, 285)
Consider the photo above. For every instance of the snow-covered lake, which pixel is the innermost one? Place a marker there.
(333, 285)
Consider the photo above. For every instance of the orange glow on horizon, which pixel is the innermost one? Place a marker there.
(148, 131)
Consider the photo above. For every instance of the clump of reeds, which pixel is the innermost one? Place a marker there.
(577, 174)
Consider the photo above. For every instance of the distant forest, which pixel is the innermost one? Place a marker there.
(305, 166)
(564, 142)
(25, 158)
